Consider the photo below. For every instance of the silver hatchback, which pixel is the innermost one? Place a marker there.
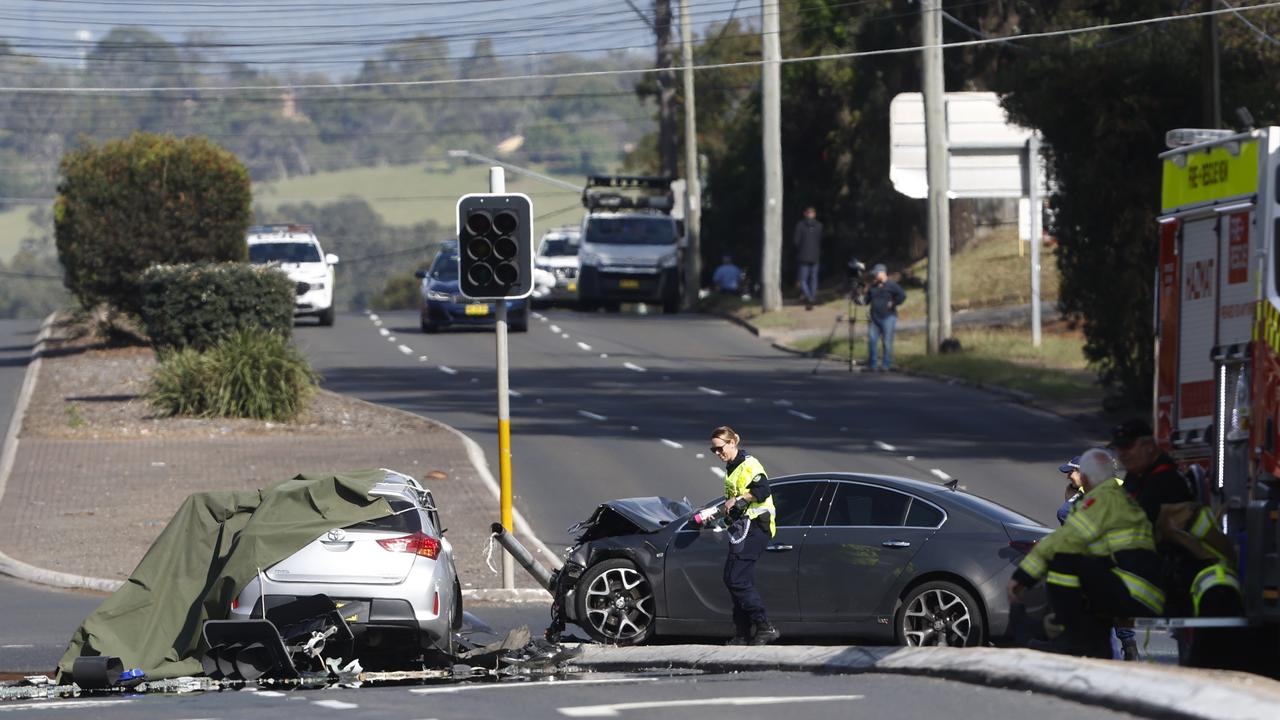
(393, 579)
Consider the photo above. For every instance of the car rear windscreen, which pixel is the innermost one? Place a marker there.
(989, 508)
(285, 252)
(405, 520)
(631, 231)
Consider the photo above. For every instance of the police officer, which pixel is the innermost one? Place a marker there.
(749, 506)
(1100, 565)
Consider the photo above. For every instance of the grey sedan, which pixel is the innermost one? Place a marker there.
(878, 558)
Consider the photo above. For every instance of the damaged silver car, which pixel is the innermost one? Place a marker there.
(882, 559)
(392, 579)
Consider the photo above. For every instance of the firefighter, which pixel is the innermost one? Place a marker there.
(749, 505)
(1198, 563)
(1100, 565)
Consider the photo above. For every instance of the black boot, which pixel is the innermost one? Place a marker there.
(765, 634)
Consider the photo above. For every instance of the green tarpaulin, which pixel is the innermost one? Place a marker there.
(213, 546)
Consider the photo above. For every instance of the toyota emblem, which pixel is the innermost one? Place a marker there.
(337, 535)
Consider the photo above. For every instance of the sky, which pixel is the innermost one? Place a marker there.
(333, 36)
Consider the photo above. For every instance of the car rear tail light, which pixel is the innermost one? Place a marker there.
(1022, 546)
(417, 543)
(235, 603)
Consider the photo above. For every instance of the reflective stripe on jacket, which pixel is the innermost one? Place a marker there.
(1213, 576)
(738, 483)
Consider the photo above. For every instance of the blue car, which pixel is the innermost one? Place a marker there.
(444, 306)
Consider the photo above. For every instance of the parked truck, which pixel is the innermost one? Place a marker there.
(630, 245)
(1217, 379)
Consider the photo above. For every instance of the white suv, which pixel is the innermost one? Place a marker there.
(296, 251)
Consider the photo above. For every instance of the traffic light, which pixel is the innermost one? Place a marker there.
(495, 245)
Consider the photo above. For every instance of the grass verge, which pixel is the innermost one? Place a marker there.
(995, 357)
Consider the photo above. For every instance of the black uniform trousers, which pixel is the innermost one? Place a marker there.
(740, 578)
(1089, 612)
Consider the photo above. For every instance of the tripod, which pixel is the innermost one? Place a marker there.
(852, 320)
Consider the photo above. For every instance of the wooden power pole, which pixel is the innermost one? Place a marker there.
(771, 257)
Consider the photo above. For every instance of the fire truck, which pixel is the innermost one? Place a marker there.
(1217, 379)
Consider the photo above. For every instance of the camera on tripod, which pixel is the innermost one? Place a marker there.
(857, 281)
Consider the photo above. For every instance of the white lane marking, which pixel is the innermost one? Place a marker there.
(911, 458)
(671, 443)
(591, 415)
(373, 316)
(748, 400)
(717, 470)
(633, 366)
(451, 689)
(384, 332)
(406, 349)
(514, 393)
(564, 335)
(939, 474)
(335, 704)
(475, 380)
(391, 339)
(711, 391)
(884, 446)
(63, 704)
(700, 455)
(635, 428)
(802, 416)
(539, 316)
(613, 709)
(782, 403)
(555, 328)
(270, 693)
(584, 346)
(604, 356)
(377, 323)
(422, 358)
(15, 646)
(448, 370)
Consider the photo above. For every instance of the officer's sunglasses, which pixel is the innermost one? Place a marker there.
(717, 449)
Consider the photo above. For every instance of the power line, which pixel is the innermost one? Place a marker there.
(642, 71)
(1257, 30)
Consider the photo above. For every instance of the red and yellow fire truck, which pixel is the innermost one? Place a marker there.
(1217, 380)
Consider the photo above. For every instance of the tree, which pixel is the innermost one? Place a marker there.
(1103, 103)
(128, 204)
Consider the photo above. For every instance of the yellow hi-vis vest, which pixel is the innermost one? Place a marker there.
(1105, 521)
(736, 483)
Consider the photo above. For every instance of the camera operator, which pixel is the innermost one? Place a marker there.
(884, 296)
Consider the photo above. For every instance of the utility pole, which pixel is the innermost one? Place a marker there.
(693, 185)
(666, 90)
(1210, 69)
(771, 257)
(935, 131)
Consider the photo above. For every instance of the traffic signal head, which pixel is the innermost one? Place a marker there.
(495, 245)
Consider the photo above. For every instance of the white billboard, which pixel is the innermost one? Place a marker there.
(987, 152)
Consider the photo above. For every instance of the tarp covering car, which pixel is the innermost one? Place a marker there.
(209, 550)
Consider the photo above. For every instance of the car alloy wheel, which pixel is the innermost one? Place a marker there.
(939, 614)
(617, 603)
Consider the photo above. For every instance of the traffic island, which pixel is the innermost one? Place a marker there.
(1140, 688)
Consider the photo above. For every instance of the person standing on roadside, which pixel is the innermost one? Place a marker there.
(883, 297)
(749, 507)
(808, 241)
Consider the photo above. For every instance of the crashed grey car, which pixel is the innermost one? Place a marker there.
(878, 558)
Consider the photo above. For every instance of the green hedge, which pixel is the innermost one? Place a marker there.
(250, 374)
(199, 305)
(128, 204)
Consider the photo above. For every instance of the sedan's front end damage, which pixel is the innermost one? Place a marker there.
(615, 530)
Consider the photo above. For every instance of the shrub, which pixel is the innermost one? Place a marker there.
(197, 306)
(250, 374)
(129, 204)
